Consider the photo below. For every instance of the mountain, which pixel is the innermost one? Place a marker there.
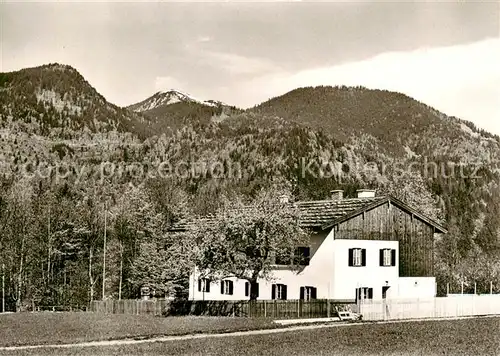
(394, 120)
(65, 151)
(56, 99)
(164, 98)
(170, 110)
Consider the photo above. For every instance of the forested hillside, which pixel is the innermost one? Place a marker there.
(74, 166)
(55, 99)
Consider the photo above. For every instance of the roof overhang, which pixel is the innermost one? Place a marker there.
(438, 228)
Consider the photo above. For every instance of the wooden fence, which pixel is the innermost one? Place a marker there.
(320, 308)
(390, 309)
(440, 307)
(58, 308)
(130, 306)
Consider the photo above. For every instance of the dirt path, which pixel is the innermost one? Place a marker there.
(230, 334)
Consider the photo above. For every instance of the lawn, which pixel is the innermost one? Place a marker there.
(57, 328)
(460, 337)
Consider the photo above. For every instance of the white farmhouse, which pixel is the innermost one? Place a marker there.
(369, 247)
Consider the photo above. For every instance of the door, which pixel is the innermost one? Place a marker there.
(384, 291)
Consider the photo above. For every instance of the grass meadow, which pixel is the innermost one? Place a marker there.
(63, 328)
(475, 336)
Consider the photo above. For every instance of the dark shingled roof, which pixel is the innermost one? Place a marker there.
(315, 214)
(323, 214)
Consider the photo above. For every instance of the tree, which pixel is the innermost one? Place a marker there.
(149, 256)
(21, 235)
(242, 240)
(90, 231)
(163, 264)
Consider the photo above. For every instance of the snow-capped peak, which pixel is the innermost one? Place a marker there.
(168, 97)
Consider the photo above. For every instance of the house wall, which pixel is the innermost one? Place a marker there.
(416, 287)
(347, 279)
(330, 273)
(317, 274)
(391, 223)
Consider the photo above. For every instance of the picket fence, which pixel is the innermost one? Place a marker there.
(318, 308)
(439, 307)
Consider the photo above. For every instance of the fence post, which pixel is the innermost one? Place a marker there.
(462, 290)
(447, 289)
(384, 311)
(475, 288)
(265, 309)
(328, 314)
(491, 287)
(298, 308)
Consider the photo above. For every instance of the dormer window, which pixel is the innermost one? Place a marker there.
(298, 257)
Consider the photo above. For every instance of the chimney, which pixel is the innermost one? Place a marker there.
(284, 199)
(337, 194)
(366, 193)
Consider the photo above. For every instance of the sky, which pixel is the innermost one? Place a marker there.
(445, 54)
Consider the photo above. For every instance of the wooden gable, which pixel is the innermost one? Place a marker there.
(391, 221)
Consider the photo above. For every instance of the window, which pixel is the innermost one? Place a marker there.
(357, 257)
(248, 289)
(387, 257)
(226, 287)
(204, 285)
(301, 256)
(364, 293)
(307, 293)
(298, 257)
(278, 291)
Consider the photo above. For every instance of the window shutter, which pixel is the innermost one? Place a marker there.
(284, 292)
(247, 289)
(363, 257)
(381, 257)
(351, 257)
(393, 257)
(370, 293)
(302, 293)
(222, 287)
(357, 294)
(230, 287)
(257, 289)
(207, 285)
(273, 292)
(199, 285)
(313, 293)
